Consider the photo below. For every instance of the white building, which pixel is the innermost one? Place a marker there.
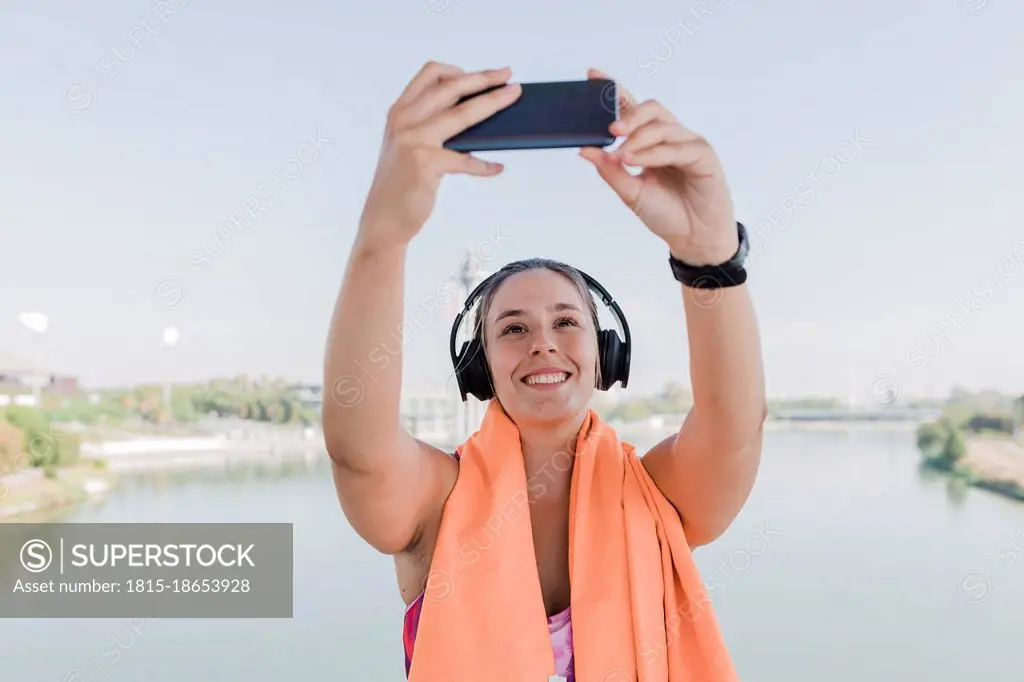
(440, 417)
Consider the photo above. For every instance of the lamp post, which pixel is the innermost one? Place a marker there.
(171, 335)
(37, 323)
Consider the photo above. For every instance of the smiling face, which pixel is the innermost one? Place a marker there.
(541, 346)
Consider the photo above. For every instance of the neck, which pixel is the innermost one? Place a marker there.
(549, 449)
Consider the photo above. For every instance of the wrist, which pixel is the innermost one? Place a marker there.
(368, 245)
(702, 256)
(380, 236)
(712, 266)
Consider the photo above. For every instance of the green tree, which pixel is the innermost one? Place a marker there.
(46, 447)
(633, 410)
(942, 444)
(931, 439)
(673, 399)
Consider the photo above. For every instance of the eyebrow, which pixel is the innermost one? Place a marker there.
(556, 308)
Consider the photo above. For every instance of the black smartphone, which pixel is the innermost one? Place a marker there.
(547, 116)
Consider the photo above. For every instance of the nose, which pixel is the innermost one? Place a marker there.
(543, 344)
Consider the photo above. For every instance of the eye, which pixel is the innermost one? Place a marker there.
(514, 327)
(569, 320)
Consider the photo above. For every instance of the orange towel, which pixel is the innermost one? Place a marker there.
(640, 612)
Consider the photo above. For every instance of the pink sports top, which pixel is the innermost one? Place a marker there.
(559, 625)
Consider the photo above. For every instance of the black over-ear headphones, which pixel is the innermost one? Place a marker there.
(474, 376)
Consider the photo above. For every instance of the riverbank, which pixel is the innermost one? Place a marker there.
(206, 451)
(28, 492)
(106, 453)
(997, 464)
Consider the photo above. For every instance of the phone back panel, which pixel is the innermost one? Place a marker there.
(547, 115)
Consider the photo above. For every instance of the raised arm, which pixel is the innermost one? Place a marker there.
(388, 482)
(707, 470)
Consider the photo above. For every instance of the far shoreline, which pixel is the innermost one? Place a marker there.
(99, 469)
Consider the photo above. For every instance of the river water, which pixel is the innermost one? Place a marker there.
(847, 565)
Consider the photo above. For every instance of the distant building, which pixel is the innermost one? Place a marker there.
(19, 381)
(440, 417)
(310, 395)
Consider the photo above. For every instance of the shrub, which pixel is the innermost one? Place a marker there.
(44, 446)
(942, 444)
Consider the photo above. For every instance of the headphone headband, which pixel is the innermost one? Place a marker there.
(614, 354)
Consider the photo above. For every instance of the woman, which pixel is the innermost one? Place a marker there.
(605, 555)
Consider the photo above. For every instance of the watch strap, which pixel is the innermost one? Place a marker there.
(731, 273)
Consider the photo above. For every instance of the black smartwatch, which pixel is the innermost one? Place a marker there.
(731, 273)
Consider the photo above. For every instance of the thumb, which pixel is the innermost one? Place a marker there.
(627, 186)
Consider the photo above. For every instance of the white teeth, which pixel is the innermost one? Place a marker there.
(547, 378)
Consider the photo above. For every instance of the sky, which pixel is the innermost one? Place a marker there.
(872, 149)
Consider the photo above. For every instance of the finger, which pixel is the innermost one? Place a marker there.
(624, 184)
(449, 161)
(696, 157)
(653, 133)
(446, 124)
(440, 97)
(632, 118)
(430, 74)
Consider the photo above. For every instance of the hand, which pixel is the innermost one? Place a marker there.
(412, 159)
(681, 194)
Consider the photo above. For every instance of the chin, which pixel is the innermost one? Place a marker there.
(550, 404)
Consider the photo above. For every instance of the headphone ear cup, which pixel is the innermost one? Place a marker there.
(472, 374)
(609, 350)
